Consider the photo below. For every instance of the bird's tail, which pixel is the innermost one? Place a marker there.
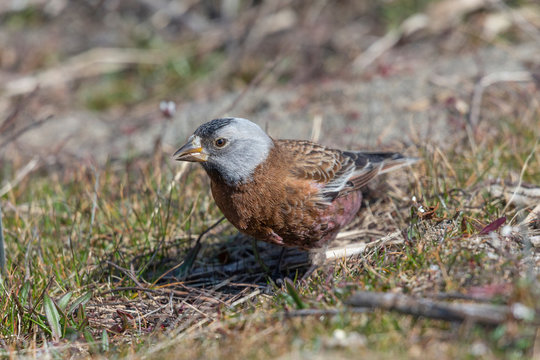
(389, 161)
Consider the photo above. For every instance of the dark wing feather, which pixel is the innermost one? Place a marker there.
(371, 164)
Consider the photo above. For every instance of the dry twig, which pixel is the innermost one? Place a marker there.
(355, 249)
(19, 176)
(523, 169)
(317, 312)
(486, 314)
(409, 26)
(90, 63)
(488, 80)
(19, 133)
(267, 70)
(518, 19)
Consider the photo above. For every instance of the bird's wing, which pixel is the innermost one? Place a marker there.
(371, 164)
(338, 172)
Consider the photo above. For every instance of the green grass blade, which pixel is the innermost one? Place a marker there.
(63, 302)
(23, 294)
(80, 301)
(104, 341)
(53, 317)
(91, 341)
(294, 295)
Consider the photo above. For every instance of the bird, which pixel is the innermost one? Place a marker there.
(293, 193)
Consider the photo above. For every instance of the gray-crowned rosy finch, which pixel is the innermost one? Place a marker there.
(287, 192)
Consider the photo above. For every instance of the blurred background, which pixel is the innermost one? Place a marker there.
(84, 79)
(96, 95)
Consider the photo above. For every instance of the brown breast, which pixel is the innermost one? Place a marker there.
(278, 206)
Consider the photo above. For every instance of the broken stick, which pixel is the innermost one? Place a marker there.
(486, 314)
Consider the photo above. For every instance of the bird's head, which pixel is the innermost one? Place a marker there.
(229, 147)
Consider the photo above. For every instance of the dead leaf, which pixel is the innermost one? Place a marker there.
(493, 226)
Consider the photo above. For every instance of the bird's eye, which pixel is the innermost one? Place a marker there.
(220, 142)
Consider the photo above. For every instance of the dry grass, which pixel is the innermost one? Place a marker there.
(128, 259)
(106, 244)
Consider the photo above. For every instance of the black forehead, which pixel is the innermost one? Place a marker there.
(209, 128)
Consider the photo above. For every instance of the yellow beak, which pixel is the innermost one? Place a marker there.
(191, 151)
